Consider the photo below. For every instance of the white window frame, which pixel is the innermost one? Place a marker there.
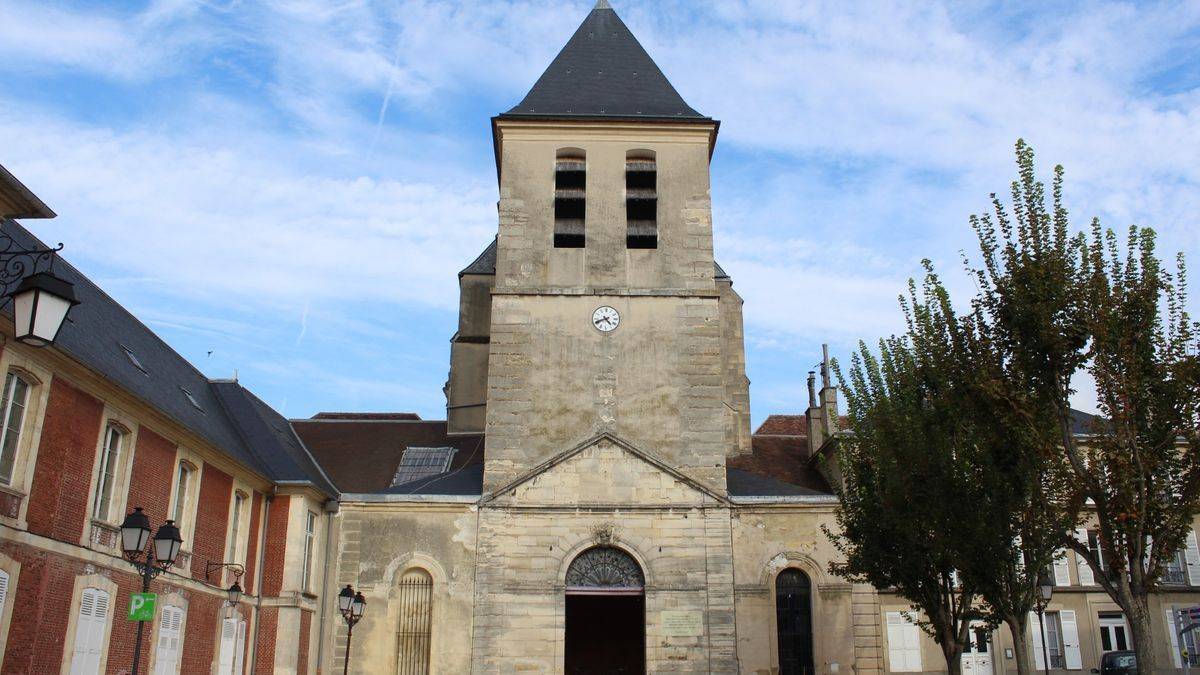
(11, 569)
(231, 660)
(1066, 646)
(237, 532)
(176, 603)
(1113, 620)
(14, 360)
(9, 437)
(187, 525)
(108, 465)
(82, 584)
(310, 541)
(904, 642)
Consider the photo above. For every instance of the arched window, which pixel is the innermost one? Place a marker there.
(570, 198)
(793, 614)
(413, 632)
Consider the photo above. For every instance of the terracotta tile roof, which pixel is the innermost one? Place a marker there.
(361, 455)
(784, 425)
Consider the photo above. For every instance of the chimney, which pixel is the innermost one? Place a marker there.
(822, 413)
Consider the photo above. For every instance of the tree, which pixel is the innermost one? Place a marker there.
(1054, 305)
(907, 470)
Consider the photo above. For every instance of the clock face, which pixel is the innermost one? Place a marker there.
(605, 319)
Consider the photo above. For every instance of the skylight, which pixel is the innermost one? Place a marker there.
(191, 399)
(418, 463)
(134, 359)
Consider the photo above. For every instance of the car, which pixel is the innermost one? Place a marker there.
(1117, 663)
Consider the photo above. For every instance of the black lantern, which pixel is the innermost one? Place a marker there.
(345, 599)
(358, 606)
(167, 542)
(1045, 587)
(234, 593)
(135, 532)
(40, 306)
(351, 605)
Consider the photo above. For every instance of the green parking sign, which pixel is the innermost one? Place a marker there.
(141, 606)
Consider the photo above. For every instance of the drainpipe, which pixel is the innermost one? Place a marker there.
(331, 508)
(262, 551)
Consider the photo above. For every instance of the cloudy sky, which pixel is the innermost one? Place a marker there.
(286, 189)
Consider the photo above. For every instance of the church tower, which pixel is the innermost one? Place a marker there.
(615, 384)
(607, 312)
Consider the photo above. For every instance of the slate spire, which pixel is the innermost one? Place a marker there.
(603, 72)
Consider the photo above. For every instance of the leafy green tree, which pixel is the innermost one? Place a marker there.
(907, 471)
(1054, 305)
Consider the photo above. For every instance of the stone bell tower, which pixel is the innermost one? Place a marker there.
(608, 313)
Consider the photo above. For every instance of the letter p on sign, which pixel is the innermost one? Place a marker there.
(141, 606)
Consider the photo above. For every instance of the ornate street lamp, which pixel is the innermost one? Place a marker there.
(41, 300)
(234, 593)
(351, 605)
(149, 561)
(1045, 590)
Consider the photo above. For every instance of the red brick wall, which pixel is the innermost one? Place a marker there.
(212, 516)
(252, 549)
(58, 505)
(200, 637)
(268, 624)
(277, 522)
(305, 625)
(150, 479)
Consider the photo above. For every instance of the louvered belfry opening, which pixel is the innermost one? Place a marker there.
(415, 596)
(641, 199)
(570, 198)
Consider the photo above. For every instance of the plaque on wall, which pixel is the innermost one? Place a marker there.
(681, 623)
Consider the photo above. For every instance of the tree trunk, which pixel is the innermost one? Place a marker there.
(1021, 653)
(1140, 624)
(952, 649)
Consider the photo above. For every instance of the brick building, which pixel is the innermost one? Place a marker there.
(594, 501)
(110, 418)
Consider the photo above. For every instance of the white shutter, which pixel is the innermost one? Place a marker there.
(904, 644)
(1192, 554)
(89, 632)
(1174, 633)
(240, 649)
(1062, 572)
(166, 660)
(3, 588)
(1070, 638)
(1082, 568)
(1035, 644)
(228, 637)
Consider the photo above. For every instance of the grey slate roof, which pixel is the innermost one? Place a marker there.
(603, 72)
(99, 330)
(467, 480)
(486, 264)
(745, 484)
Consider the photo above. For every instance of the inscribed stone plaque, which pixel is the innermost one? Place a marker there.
(678, 623)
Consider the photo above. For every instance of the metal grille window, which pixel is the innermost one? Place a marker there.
(413, 632)
(1176, 570)
(417, 463)
(16, 393)
(793, 615)
(641, 200)
(570, 198)
(1054, 643)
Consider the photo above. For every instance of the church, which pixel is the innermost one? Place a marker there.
(595, 500)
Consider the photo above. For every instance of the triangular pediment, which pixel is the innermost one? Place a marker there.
(606, 471)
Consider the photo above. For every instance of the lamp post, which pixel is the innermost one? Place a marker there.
(150, 562)
(41, 300)
(351, 605)
(1045, 589)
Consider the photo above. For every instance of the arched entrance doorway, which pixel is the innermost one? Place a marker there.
(606, 613)
(793, 616)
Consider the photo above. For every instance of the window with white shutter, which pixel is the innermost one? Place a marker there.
(170, 626)
(90, 627)
(1192, 556)
(1062, 573)
(904, 643)
(228, 643)
(3, 588)
(239, 649)
(1082, 568)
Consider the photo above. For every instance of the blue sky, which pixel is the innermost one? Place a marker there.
(293, 185)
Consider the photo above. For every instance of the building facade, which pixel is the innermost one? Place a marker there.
(594, 501)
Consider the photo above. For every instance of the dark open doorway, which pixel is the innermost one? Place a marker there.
(605, 634)
(793, 615)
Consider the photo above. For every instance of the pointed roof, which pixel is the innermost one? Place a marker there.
(603, 72)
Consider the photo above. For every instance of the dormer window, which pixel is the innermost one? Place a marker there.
(641, 199)
(570, 204)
